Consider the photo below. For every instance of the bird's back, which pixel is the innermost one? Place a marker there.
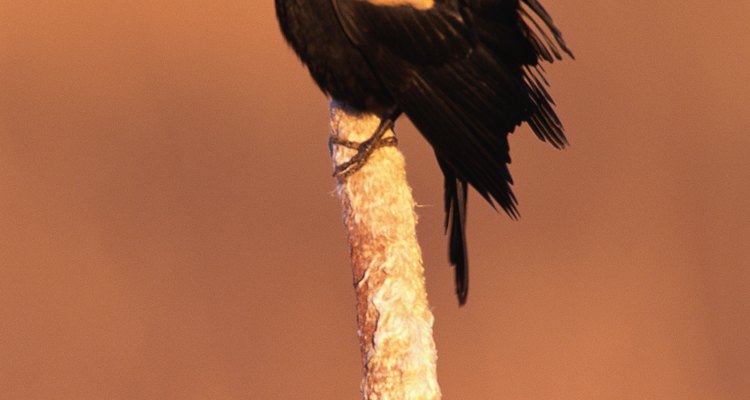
(313, 30)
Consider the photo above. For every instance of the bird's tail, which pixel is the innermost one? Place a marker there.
(455, 226)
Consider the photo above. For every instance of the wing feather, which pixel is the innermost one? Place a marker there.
(466, 72)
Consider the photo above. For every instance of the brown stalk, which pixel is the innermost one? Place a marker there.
(393, 315)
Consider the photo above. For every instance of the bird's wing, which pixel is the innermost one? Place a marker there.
(461, 96)
(464, 72)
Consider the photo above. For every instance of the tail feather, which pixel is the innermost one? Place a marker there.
(455, 226)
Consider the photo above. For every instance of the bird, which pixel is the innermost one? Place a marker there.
(465, 72)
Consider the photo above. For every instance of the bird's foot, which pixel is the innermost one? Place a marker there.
(364, 149)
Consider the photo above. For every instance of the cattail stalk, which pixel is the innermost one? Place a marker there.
(393, 316)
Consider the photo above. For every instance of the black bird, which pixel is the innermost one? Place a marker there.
(466, 72)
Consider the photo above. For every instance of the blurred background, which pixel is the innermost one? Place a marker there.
(169, 229)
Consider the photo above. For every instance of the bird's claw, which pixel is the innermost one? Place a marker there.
(364, 151)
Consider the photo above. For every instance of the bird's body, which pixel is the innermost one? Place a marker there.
(464, 71)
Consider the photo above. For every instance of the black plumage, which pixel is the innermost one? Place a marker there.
(466, 72)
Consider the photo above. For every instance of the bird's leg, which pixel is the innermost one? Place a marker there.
(366, 148)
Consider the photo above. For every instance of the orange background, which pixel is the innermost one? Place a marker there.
(168, 228)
